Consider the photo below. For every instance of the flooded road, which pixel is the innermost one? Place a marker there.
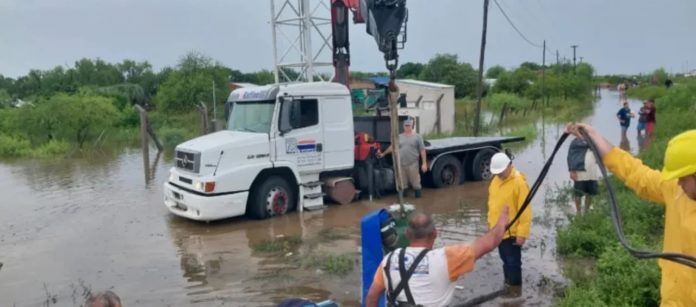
(72, 226)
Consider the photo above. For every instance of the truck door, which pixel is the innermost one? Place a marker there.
(300, 136)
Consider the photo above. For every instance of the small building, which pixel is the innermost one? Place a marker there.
(431, 104)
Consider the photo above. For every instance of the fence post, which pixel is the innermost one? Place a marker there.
(203, 109)
(144, 140)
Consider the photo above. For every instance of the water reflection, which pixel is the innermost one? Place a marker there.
(624, 144)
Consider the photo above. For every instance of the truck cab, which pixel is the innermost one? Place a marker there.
(278, 140)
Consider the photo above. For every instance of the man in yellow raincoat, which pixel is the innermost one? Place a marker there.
(509, 188)
(674, 187)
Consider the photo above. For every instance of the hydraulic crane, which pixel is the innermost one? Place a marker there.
(385, 21)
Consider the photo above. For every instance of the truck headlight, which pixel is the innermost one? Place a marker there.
(202, 186)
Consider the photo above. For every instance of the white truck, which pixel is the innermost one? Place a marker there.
(282, 142)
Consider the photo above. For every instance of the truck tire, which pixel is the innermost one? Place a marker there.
(272, 197)
(447, 172)
(481, 165)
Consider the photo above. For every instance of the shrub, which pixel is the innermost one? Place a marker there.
(513, 102)
(11, 146)
(647, 92)
(171, 137)
(51, 149)
(582, 296)
(626, 281)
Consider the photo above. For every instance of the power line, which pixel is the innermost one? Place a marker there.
(515, 27)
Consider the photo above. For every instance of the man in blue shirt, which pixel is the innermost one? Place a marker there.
(624, 115)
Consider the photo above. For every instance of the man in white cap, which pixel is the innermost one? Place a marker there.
(411, 146)
(509, 189)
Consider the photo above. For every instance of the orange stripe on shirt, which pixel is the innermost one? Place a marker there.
(460, 260)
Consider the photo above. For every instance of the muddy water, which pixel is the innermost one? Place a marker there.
(68, 227)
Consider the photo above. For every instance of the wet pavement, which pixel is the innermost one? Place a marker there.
(72, 226)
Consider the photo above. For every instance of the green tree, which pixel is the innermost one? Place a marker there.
(192, 83)
(133, 71)
(584, 71)
(97, 72)
(515, 82)
(495, 72)
(444, 68)
(659, 76)
(410, 70)
(530, 66)
(5, 99)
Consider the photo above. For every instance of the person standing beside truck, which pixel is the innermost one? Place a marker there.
(411, 147)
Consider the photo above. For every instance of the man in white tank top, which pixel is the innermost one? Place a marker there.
(432, 280)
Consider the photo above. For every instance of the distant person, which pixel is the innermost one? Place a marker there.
(650, 117)
(103, 299)
(507, 191)
(584, 172)
(642, 117)
(624, 115)
(668, 83)
(411, 147)
(622, 90)
(419, 275)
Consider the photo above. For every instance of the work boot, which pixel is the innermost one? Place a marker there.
(418, 193)
(512, 291)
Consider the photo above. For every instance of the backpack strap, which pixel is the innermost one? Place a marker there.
(391, 300)
(405, 275)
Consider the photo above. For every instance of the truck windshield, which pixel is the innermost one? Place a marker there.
(251, 116)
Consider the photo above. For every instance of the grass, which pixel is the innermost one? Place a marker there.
(333, 264)
(279, 246)
(620, 279)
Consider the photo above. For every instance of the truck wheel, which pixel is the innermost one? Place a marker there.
(481, 165)
(273, 197)
(447, 171)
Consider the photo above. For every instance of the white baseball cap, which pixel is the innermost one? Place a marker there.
(499, 162)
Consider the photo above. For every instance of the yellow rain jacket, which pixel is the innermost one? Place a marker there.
(678, 281)
(512, 191)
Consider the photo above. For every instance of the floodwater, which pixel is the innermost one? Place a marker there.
(68, 227)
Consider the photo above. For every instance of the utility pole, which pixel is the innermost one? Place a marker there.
(543, 74)
(557, 58)
(214, 109)
(574, 47)
(479, 86)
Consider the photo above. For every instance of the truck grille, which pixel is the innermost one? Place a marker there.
(189, 161)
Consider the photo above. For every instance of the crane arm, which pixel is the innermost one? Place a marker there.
(385, 21)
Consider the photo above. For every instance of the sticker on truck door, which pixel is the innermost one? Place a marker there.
(293, 146)
(305, 150)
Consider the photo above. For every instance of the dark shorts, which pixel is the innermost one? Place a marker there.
(587, 187)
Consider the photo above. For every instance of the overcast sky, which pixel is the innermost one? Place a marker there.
(616, 36)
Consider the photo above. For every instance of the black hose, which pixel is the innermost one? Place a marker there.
(615, 214)
(539, 180)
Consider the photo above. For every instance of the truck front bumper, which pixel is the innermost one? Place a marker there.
(204, 208)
